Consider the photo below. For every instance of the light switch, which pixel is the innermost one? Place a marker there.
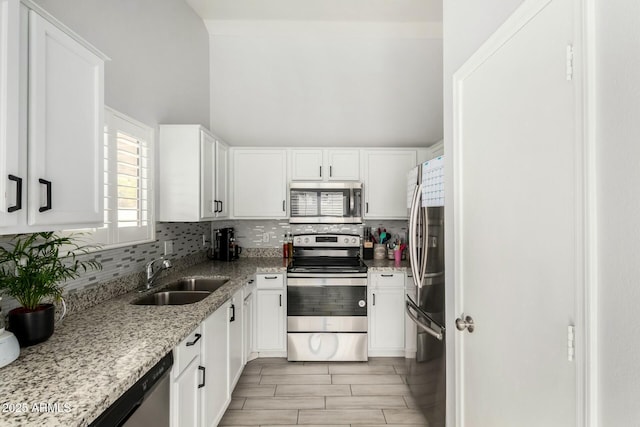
(168, 247)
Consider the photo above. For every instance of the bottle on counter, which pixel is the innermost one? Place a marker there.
(285, 246)
(290, 243)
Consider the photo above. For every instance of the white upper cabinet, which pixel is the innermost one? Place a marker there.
(193, 174)
(343, 165)
(325, 165)
(385, 179)
(222, 181)
(13, 171)
(259, 183)
(306, 165)
(56, 83)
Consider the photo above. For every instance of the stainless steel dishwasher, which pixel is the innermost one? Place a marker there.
(146, 403)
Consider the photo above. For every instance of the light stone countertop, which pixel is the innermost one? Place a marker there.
(94, 356)
(387, 265)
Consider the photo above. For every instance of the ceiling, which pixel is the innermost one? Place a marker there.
(325, 72)
(320, 10)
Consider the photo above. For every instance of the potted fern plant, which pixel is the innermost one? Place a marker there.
(32, 268)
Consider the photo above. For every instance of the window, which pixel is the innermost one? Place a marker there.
(128, 182)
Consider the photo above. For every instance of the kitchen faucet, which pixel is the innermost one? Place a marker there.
(151, 274)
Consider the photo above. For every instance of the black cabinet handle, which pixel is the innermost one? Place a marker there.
(270, 277)
(198, 336)
(374, 299)
(233, 313)
(47, 184)
(284, 206)
(320, 171)
(18, 204)
(215, 206)
(386, 275)
(220, 210)
(204, 375)
(367, 207)
(330, 171)
(280, 300)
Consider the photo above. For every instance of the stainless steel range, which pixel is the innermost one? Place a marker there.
(327, 299)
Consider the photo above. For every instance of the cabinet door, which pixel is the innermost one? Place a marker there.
(66, 89)
(386, 321)
(236, 338)
(222, 186)
(207, 176)
(386, 182)
(270, 317)
(248, 326)
(184, 396)
(306, 165)
(344, 165)
(259, 183)
(13, 164)
(215, 394)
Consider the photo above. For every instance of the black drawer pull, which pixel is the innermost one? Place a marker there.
(320, 171)
(270, 277)
(18, 204)
(204, 374)
(280, 300)
(386, 275)
(47, 206)
(374, 299)
(233, 313)
(198, 336)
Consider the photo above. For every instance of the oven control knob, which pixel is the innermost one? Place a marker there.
(346, 240)
(306, 240)
(298, 240)
(361, 303)
(353, 240)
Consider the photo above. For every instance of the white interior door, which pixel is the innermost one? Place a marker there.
(517, 219)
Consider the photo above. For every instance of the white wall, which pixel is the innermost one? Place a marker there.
(311, 83)
(159, 49)
(466, 26)
(618, 169)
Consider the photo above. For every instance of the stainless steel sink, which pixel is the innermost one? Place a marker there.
(172, 298)
(209, 285)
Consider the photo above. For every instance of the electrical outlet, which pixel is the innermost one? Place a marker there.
(168, 247)
(265, 237)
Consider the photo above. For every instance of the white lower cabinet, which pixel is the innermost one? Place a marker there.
(386, 297)
(236, 355)
(271, 315)
(186, 376)
(248, 314)
(215, 394)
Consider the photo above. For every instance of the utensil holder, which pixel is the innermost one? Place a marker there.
(379, 251)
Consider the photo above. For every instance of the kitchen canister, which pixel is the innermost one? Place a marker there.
(379, 251)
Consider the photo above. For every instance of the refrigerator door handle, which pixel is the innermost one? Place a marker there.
(410, 305)
(413, 255)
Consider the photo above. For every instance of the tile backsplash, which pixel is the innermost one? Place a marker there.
(269, 233)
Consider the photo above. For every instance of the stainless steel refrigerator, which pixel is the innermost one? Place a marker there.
(426, 375)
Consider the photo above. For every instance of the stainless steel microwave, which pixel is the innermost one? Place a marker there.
(325, 202)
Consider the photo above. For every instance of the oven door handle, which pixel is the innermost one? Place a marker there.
(410, 305)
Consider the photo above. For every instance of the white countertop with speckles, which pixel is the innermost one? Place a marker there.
(96, 355)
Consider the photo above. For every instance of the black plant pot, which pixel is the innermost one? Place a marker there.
(32, 327)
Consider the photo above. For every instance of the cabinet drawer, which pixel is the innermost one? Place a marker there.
(270, 281)
(187, 350)
(387, 280)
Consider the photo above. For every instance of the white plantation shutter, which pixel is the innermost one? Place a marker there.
(128, 183)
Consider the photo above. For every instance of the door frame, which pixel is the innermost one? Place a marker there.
(586, 220)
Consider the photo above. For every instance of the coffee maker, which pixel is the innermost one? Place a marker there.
(225, 247)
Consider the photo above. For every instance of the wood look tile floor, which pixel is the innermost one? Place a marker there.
(274, 392)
